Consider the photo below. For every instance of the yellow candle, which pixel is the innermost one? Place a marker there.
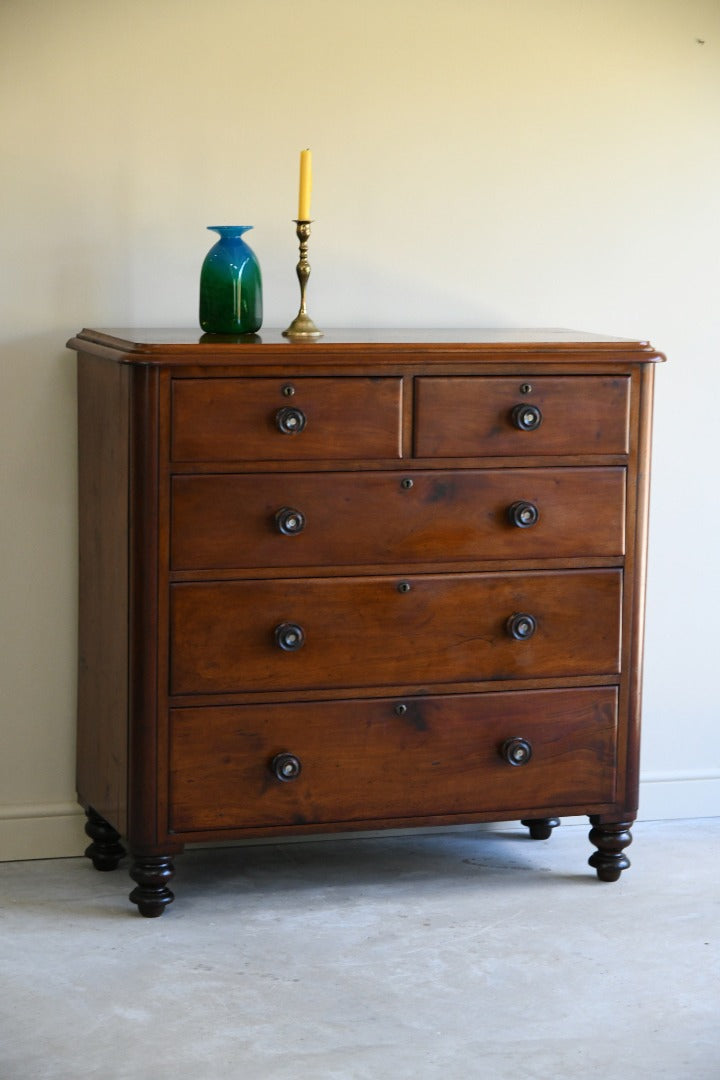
(305, 185)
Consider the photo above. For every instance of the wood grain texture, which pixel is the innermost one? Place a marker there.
(229, 521)
(460, 417)
(382, 759)
(147, 623)
(189, 345)
(366, 632)
(103, 477)
(222, 419)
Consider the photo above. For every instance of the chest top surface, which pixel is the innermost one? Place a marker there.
(189, 346)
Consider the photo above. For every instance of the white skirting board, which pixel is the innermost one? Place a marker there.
(42, 831)
(666, 796)
(57, 830)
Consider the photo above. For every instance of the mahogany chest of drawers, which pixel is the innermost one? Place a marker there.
(385, 579)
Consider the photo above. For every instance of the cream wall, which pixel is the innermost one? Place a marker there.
(477, 163)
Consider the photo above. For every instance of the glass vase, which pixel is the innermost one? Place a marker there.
(230, 284)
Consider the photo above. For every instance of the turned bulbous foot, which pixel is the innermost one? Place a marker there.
(541, 828)
(152, 874)
(106, 851)
(609, 860)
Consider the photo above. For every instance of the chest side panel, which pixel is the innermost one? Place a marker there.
(103, 618)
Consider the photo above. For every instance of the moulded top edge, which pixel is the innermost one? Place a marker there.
(148, 346)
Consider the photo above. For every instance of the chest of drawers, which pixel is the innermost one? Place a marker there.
(386, 579)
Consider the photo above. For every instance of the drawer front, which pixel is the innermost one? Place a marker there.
(381, 631)
(260, 420)
(306, 519)
(476, 416)
(369, 760)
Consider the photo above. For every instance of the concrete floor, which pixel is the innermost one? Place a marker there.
(470, 954)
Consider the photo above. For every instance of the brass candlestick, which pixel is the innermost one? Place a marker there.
(302, 326)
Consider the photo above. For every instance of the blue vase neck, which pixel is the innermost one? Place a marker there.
(230, 232)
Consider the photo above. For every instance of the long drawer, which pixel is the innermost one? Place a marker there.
(286, 419)
(473, 416)
(288, 634)
(316, 519)
(390, 758)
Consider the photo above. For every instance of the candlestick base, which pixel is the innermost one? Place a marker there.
(302, 328)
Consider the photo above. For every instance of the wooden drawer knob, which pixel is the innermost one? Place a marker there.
(286, 767)
(526, 417)
(290, 421)
(521, 626)
(523, 514)
(516, 751)
(289, 522)
(289, 636)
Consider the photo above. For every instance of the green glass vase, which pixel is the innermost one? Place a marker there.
(230, 284)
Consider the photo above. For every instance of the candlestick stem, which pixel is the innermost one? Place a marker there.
(302, 325)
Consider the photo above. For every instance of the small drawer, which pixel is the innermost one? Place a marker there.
(286, 419)
(482, 416)
(293, 634)
(346, 519)
(263, 766)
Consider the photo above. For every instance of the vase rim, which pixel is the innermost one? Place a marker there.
(229, 228)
